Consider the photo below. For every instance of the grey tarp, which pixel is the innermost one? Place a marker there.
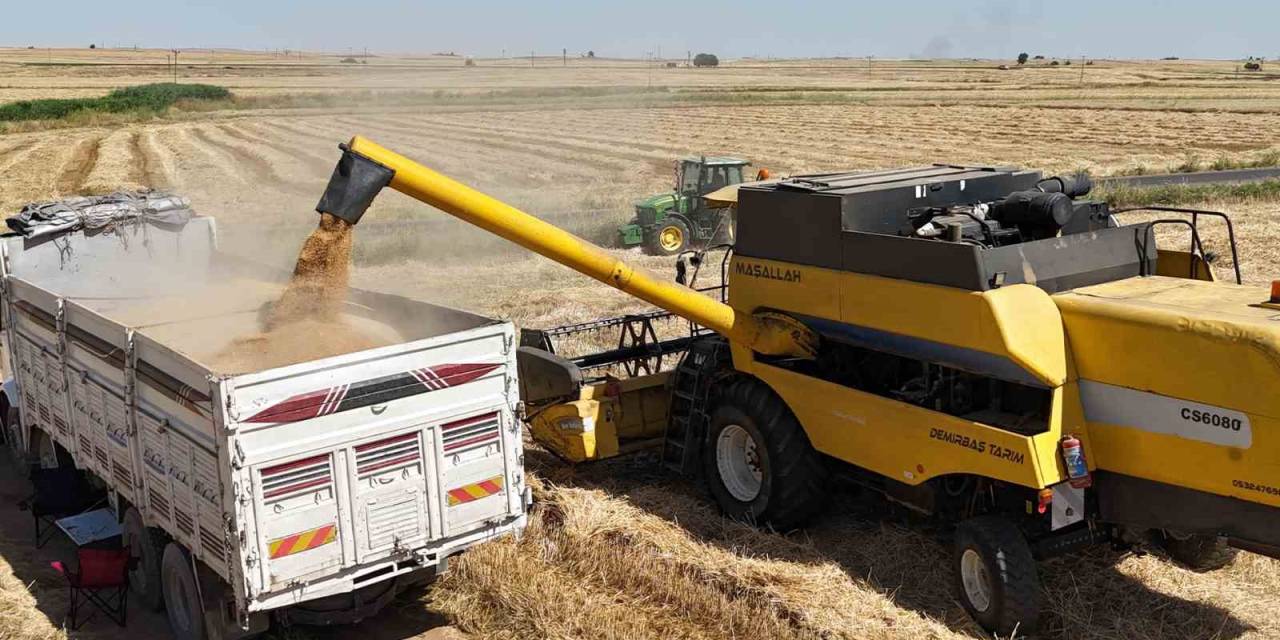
(96, 214)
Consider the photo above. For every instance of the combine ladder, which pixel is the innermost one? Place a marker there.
(688, 420)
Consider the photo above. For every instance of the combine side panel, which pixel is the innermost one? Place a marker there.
(1160, 362)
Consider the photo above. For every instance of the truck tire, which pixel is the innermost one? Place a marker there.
(669, 237)
(182, 600)
(1200, 553)
(147, 545)
(996, 576)
(13, 432)
(759, 464)
(48, 454)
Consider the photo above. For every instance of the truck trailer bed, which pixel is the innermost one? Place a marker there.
(370, 448)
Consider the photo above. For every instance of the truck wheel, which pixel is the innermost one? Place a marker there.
(147, 545)
(669, 238)
(48, 453)
(759, 464)
(13, 432)
(182, 600)
(1198, 552)
(996, 577)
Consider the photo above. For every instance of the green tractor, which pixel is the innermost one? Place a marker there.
(668, 223)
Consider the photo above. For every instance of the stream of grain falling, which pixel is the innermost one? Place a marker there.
(306, 322)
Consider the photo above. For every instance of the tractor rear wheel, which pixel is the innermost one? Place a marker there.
(760, 466)
(996, 576)
(670, 237)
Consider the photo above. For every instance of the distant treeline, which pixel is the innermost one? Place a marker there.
(153, 98)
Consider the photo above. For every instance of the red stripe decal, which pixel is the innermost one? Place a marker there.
(469, 441)
(295, 487)
(392, 440)
(294, 465)
(453, 375)
(286, 545)
(466, 422)
(461, 495)
(413, 457)
(300, 407)
(316, 403)
(489, 486)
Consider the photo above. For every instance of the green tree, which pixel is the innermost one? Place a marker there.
(706, 60)
(1023, 57)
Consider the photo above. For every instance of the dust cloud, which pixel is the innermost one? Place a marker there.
(306, 322)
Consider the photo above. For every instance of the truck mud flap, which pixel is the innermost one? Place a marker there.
(1147, 504)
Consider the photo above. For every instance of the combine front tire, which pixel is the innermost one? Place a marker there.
(669, 238)
(1199, 553)
(996, 576)
(759, 464)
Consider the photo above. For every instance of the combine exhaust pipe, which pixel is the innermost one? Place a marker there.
(366, 167)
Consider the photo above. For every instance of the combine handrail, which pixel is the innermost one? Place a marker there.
(1195, 222)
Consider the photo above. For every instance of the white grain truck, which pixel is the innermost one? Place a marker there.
(305, 489)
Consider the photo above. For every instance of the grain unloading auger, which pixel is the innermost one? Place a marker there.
(366, 167)
(957, 339)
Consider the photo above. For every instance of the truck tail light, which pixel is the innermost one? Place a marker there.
(1043, 501)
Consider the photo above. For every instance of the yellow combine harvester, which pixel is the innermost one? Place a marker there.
(977, 343)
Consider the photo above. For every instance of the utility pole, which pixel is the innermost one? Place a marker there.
(1082, 70)
(530, 58)
(175, 66)
(564, 57)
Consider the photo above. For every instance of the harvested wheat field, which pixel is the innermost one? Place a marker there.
(617, 550)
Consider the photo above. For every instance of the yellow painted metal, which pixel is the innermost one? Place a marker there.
(1017, 322)
(1181, 338)
(670, 238)
(1187, 340)
(606, 419)
(1180, 264)
(499, 218)
(575, 431)
(912, 444)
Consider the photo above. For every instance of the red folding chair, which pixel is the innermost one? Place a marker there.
(102, 580)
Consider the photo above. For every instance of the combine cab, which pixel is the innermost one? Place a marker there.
(668, 223)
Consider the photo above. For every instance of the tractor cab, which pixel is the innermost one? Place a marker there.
(696, 177)
(668, 223)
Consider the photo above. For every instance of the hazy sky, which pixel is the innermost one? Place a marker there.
(893, 28)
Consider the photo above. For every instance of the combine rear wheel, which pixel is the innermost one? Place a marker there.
(996, 576)
(1198, 552)
(670, 237)
(759, 464)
